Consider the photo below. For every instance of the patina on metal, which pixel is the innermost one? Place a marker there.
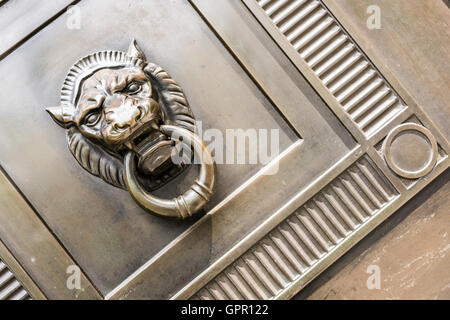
(122, 115)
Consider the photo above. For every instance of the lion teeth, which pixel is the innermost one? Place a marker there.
(155, 125)
(128, 145)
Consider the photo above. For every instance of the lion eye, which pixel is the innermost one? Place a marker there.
(134, 88)
(92, 118)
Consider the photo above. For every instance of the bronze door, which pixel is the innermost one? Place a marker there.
(353, 145)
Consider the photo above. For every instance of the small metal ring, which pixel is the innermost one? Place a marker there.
(400, 171)
(189, 202)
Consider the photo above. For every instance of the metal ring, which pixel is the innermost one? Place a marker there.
(189, 202)
(400, 171)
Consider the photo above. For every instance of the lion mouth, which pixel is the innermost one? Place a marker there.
(142, 135)
(152, 149)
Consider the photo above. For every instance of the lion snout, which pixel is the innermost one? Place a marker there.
(123, 121)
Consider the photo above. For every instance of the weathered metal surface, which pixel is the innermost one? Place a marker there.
(411, 48)
(32, 252)
(410, 251)
(345, 161)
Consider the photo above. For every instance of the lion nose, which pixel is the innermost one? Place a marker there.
(122, 114)
(113, 101)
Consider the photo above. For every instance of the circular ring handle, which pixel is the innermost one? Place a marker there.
(388, 156)
(189, 202)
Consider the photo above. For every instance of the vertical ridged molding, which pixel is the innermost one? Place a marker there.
(320, 41)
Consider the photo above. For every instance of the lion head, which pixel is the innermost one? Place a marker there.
(112, 102)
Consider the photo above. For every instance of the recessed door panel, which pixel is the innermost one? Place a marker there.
(101, 226)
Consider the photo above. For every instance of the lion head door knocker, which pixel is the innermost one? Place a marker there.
(122, 114)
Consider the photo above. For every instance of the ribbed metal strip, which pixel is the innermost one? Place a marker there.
(10, 287)
(305, 237)
(322, 43)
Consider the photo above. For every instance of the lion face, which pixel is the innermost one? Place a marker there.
(113, 102)
(116, 106)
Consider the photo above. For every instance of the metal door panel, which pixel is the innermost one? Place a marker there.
(19, 19)
(113, 243)
(263, 235)
(106, 232)
(226, 226)
(35, 257)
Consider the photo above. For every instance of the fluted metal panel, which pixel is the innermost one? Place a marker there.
(10, 287)
(305, 237)
(336, 60)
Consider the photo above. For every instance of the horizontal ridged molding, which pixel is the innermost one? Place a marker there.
(305, 237)
(10, 287)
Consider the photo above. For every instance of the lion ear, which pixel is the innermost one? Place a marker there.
(61, 114)
(134, 51)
